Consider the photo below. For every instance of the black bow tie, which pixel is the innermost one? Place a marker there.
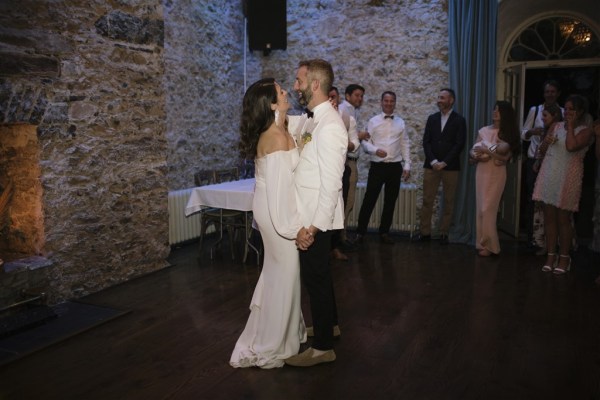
(309, 113)
(388, 116)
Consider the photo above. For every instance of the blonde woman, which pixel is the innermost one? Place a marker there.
(559, 182)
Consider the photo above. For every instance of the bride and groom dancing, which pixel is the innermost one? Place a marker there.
(297, 204)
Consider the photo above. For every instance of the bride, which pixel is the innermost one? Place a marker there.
(275, 327)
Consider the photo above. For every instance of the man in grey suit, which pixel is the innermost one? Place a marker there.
(443, 141)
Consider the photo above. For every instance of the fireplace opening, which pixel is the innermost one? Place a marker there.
(21, 211)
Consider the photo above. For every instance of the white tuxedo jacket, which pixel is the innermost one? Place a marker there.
(318, 176)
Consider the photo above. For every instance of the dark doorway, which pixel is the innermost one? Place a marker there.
(573, 80)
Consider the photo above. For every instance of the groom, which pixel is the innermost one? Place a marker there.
(318, 179)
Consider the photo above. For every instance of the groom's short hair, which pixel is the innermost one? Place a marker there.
(320, 70)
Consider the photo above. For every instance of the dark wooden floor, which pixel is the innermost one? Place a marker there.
(419, 321)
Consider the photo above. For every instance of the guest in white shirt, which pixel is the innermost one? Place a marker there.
(389, 148)
(354, 95)
(338, 241)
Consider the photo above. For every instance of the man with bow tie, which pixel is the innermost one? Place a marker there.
(389, 148)
(318, 179)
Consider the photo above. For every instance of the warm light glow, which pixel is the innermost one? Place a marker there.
(581, 34)
(566, 27)
(578, 31)
(22, 229)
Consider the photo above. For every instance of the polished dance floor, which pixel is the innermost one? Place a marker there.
(418, 321)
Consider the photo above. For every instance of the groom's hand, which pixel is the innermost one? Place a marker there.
(304, 239)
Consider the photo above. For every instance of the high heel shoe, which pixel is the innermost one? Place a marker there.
(563, 270)
(548, 267)
(484, 253)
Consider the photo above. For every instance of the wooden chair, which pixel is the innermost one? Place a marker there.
(204, 177)
(221, 219)
(243, 219)
(246, 169)
(227, 175)
(216, 217)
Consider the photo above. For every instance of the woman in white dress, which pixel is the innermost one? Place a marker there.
(275, 327)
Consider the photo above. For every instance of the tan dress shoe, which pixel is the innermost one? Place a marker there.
(308, 358)
(336, 331)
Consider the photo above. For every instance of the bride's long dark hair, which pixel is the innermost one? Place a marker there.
(257, 115)
(509, 127)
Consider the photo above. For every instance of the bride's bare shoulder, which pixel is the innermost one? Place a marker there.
(272, 140)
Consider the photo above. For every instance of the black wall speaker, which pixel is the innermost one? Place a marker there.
(267, 24)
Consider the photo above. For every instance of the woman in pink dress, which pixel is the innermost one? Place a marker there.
(559, 181)
(495, 145)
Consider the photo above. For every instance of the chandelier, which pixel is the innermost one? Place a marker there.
(576, 30)
(581, 34)
(566, 26)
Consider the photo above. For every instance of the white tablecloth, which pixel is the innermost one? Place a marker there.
(235, 195)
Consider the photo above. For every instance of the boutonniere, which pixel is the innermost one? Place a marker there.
(306, 137)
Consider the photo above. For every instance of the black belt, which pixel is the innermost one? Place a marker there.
(386, 162)
(351, 158)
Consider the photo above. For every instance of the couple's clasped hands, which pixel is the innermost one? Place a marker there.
(304, 239)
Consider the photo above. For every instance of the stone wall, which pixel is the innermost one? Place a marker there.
(204, 85)
(89, 75)
(124, 114)
(383, 45)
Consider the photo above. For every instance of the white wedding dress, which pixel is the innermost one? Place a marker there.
(275, 327)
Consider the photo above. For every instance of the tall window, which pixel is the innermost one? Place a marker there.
(557, 38)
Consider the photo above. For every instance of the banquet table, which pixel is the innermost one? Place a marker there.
(233, 195)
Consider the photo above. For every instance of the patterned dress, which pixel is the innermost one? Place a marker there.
(560, 178)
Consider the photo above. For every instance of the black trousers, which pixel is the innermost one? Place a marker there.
(337, 234)
(380, 174)
(315, 272)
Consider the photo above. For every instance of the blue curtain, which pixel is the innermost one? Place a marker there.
(472, 61)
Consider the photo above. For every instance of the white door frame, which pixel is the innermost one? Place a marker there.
(509, 210)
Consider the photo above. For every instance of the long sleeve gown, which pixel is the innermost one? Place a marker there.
(275, 327)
